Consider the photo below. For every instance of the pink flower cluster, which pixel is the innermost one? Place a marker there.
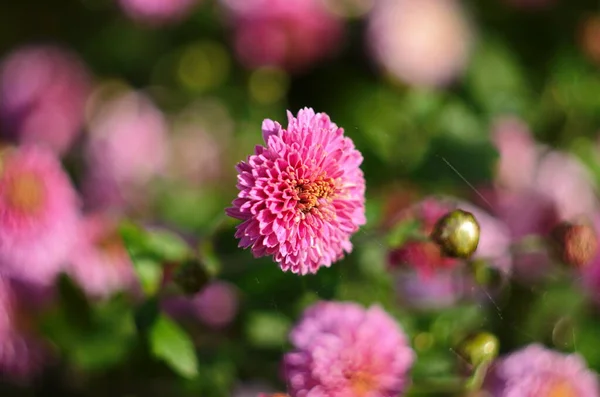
(302, 195)
(537, 371)
(157, 12)
(341, 349)
(281, 33)
(43, 91)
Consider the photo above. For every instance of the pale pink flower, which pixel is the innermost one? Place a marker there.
(127, 147)
(341, 349)
(420, 42)
(39, 214)
(540, 372)
(100, 262)
(530, 174)
(216, 305)
(43, 90)
(291, 35)
(302, 196)
(158, 12)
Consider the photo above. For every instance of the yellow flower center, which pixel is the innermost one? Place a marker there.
(361, 383)
(309, 192)
(562, 389)
(25, 192)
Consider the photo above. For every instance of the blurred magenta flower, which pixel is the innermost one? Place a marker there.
(532, 173)
(43, 91)
(341, 349)
(420, 42)
(441, 289)
(22, 353)
(280, 33)
(302, 196)
(158, 12)
(100, 262)
(538, 371)
(39, 214)
(216, 305)
(127, 146)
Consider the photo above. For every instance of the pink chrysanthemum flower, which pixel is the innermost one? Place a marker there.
(22, 354)
(216, 305)
(39, 214)
(100, 262)
(341, 349)
(157, 12)
(540, 372)
(43, 91)
(126, 148)
(420, 42)
(302, 196)
(281, 33)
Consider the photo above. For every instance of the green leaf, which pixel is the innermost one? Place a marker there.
(497, 81)
(267, 329)
(173, 345)
(458, 163)
(149, 273)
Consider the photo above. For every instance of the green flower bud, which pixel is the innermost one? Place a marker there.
(480, 349)
(457, 234)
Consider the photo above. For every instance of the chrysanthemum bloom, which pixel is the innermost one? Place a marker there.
(43, 90)
(554, 177)
(302, 196)
(341, 349)
(535, 188)
(39, 214)
(127, 147)
(22, 354)
(216, 305)
(100, 262)
(540, 372)
(420, 42)
(279, 33)
(157, 12)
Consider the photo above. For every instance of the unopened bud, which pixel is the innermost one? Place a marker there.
(577, 244)
(191, 276)
(457, 234)
(480, 348)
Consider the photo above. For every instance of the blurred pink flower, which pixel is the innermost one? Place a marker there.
(39, 214)
(302, 196)
(291, 35)
(158, 12)
(216, 305)
(535, 183)
(43, 91)
(341, 349)
(127, 147)
(420, 42)
(538, 371)
(196, 155)
(442, 289)
(22, 354)
(100, 262)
